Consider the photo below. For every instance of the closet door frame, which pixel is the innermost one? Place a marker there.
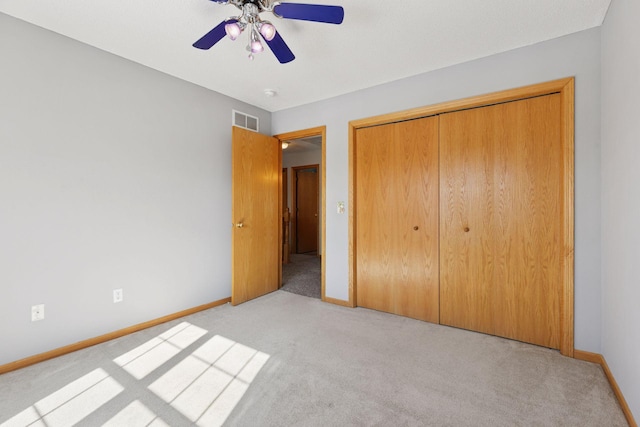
(564, 87)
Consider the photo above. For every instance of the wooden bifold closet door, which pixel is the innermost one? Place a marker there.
(500, 220)
(459, 219)
(397, 218)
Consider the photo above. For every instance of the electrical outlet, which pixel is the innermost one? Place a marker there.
(118, 296)
(37, 312)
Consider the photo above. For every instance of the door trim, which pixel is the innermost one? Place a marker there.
(305, 133)
(566, 88)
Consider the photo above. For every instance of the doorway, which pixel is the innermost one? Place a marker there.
(304, 158)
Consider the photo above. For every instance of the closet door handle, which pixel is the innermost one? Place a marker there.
(466, 229)
(416, 228)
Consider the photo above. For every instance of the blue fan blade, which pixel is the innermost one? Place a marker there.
(214, 36)
(310, 12)
(280, 49)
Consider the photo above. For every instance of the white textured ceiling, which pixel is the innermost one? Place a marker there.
(379, 40)
(312, 143)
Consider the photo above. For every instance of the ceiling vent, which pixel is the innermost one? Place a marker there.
(244, 120)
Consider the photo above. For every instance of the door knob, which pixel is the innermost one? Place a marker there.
(239, 225)
(416, 228)
(466, 229)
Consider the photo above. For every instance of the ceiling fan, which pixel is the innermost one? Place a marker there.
(251, 21)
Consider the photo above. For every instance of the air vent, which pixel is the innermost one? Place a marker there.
(244, 120)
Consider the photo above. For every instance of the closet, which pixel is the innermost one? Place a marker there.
(463, 217)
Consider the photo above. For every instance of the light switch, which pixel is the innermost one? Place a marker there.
(340, 207)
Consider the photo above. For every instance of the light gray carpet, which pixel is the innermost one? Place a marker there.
(302, 275)
(332, 366)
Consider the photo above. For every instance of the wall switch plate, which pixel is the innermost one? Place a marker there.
(117, 295)
(37, 312)
(340, 207)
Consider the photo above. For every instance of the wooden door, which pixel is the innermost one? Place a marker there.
(256, 212)
(396, 233)
(306, 182)
(500, 210)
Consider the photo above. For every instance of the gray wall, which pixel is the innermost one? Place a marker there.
(576, 55)
(621, 197)
(112, 175)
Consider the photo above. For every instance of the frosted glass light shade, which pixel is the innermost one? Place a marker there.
(256, 46)
(233, 30)
(268, 31)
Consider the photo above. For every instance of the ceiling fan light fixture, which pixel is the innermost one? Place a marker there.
(267, 30)
(250, 19)
(233, 30)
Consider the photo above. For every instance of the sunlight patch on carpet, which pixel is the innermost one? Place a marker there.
(71, 403)
(146, 358)
(207, 385)
(135, 415)
(204, 387)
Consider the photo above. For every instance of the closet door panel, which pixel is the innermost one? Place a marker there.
(417, 291)
(467, 258)
(501, 220)
(397, 218)
(375, 218)
(530, 222)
